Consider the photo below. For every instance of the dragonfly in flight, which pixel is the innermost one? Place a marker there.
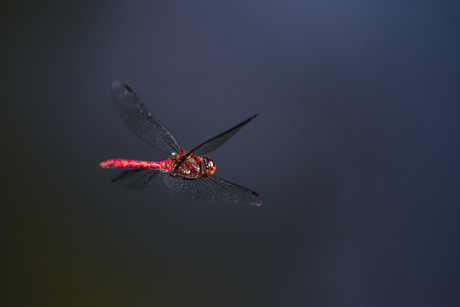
(187, 173)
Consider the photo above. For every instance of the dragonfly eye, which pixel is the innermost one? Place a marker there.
(210, 167)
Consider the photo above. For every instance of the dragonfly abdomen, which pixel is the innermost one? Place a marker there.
(164, 165)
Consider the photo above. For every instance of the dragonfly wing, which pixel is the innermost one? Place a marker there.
(212, 188)
(218, 140)
(137, 178)
(141, 121)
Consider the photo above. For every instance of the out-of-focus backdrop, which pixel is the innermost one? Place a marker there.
(355, 152)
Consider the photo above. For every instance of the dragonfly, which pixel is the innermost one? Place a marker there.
(187, 173)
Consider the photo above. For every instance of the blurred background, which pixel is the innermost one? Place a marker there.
(355, 153)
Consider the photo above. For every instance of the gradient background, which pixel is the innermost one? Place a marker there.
(356, 153)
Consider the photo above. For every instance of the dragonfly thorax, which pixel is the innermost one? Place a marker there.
(191, 166)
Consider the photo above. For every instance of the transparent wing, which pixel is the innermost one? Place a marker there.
(212, 188)
(141, 121)
(137, 178)
(218, 140)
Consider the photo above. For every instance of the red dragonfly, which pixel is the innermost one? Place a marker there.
(187, 173)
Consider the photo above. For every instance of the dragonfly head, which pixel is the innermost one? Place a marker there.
(210, 166)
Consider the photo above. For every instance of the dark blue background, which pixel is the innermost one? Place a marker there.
(356, 153)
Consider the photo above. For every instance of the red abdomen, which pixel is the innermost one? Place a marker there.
(164, 165)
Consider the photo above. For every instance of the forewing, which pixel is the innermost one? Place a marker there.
(141, 121)
(137, 178)
(218, 140)
(212, 188)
